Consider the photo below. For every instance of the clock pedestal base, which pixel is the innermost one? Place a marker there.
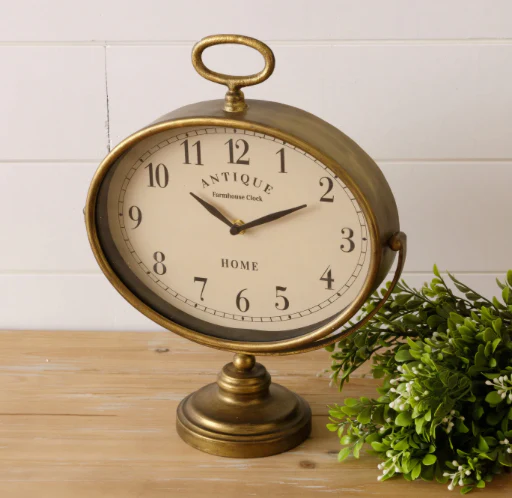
(243, 415)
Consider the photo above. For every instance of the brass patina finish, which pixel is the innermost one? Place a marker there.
(243, 415)
(234, 100)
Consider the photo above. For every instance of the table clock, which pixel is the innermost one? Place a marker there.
(248, 226)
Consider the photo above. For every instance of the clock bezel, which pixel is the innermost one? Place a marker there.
(241, 121)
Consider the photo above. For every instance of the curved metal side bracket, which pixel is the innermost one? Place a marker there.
(397, 242)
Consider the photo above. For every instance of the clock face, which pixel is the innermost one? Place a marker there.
(298, 254)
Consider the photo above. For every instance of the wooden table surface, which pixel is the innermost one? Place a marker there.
(92, 415)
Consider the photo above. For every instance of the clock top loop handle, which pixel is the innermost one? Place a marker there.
(234, 101)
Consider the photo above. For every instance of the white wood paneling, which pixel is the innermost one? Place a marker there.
(43, 223)
(52, 103)
(424, 86)
(426, 101)
(58, 302)
(89, 302)
(157, 20)
(455, 215)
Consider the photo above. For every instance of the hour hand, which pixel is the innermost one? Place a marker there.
(212, 210)
(236, 229)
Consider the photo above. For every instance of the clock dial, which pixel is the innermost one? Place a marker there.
(236, 230)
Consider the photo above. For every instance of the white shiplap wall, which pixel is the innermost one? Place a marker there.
(424, 86)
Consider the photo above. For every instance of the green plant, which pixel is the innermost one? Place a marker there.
(445, 405)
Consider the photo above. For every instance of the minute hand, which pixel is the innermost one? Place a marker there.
(236, 229)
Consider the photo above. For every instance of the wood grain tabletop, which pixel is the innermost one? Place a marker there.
(90, 414)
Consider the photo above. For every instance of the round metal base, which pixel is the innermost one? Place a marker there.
(243, 415)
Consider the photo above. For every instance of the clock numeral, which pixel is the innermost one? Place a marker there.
(285, 304)
(135, 214)
(197, 145)
(327, 277)
(160, 174)
(203, 280)
(240, 160)
(330, 185)
(281, 153)
(348, 238)
(159, 268)
(242, 302)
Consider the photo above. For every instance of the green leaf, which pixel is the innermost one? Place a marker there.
(401, 445)
(347, 439)
(493, 398)
(332, 427)
(456, 318)
(403, 419)
(379, 446)
(351, 402)
(436, 272)
(480, 484)
(429, 459)
(509, 278)
(365, 416)
(465, 490)
(482, 444)
(357, 448)
(403, 355)
(343, 454)
(505, 293)
(416, 471)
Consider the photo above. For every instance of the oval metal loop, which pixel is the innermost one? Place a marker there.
(234, 83)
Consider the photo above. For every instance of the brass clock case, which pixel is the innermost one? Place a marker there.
(242, 414)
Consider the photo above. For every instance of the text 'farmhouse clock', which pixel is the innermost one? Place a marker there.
(248, 226)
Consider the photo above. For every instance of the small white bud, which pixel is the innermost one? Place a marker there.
(461, 482)
(452, 412)
(455, 463)
(417, 398)
(402, 407)
(509, 450)
(385, 471)
(388, 420)
(488, 382)
(510, 396)
(467, 472)
(393, 390)
(501, 378)
(445, 474)
(445, 420)
(503, 395)
(459, 467)
(505, 441)
(462, 418)
(450, 487)
(379, 478)
(426, 393)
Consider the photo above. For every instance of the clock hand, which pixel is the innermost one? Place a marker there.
(212, 210)
(236, 229)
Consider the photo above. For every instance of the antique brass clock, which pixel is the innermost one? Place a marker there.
(248, 226)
